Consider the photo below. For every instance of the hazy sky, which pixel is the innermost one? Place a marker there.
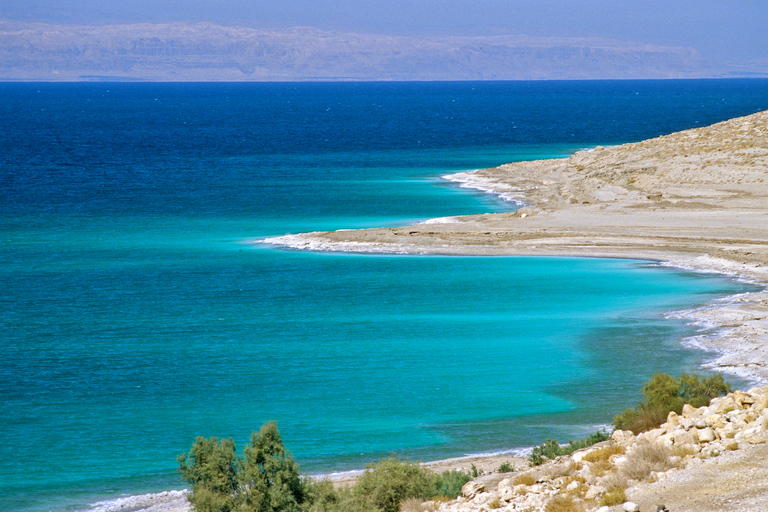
(720, 29)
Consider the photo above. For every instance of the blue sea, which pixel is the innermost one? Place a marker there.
(135, 314)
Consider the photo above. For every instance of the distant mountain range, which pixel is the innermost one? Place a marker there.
(207, 52)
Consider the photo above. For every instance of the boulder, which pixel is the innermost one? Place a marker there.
(573, 486)
(623, 438)
(743, 399)
(724, 405)
(715, 421)
(706, 435)
(630, 506)
(688, 410)
(682, 437)
(673, 419)
(593, 492)
(472, 489)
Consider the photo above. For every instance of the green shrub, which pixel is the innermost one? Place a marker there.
(663, 393)
(506, 467)
(320, 496)
(211, 468)
(265, 479)
(551, 449)
(449, 484)
(386, 484)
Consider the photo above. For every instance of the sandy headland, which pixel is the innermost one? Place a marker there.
(695, 199)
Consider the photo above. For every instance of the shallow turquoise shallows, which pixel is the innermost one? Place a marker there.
(136, 313)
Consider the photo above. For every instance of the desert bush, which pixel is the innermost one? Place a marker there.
(524, 479)
(604, 453)
(386, 484)
(553, 471)
(551, 449)
(449, 483)
(663, 393)
(645, 458)
(561, 503)
(412, 505)
(613, 497)
(506, 467)
(614, 481)
(321, 496)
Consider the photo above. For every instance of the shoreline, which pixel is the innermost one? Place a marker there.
(695, 200)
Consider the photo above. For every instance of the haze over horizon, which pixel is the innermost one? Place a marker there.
(387, 39)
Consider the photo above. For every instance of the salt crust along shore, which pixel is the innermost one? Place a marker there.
(695, 200)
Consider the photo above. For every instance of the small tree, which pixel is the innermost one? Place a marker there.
(211, 467)
(265, 479)
(269, 480)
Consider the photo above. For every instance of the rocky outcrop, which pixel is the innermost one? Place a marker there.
(598, 478)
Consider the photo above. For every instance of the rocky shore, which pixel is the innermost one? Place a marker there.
(706, 459)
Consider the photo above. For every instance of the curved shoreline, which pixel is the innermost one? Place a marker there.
(695, 200)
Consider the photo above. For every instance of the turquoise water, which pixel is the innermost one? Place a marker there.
(135, 315)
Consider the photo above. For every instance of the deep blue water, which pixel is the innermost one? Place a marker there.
(133, 315)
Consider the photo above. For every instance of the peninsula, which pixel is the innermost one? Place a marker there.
(696, 199)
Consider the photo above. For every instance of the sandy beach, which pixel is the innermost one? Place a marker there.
(696, 200)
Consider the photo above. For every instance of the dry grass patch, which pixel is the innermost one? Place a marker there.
(524, 479)
(415, 505)
(613, 497)
(494, 504)
(647, 458)
(559, 470)
(562, 503)
(601, 467)
(604, 453)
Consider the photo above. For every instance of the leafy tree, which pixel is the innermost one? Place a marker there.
(663, 393)
(265, 479)
(211, 468)
(269, 480)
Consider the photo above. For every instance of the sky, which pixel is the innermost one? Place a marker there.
(722, 30)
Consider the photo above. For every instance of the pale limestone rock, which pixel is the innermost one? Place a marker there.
(715, 421)
(630, 507)
(593, 492)
(743, 399)
(724, 405)
(706, 435)
(688, 410)
(700, 423)
(472, 489)
(727, 431)
(623, 438)
(573, 486)
(683, 437)
(673, 420)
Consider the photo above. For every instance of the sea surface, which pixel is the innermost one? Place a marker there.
(136, 313)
